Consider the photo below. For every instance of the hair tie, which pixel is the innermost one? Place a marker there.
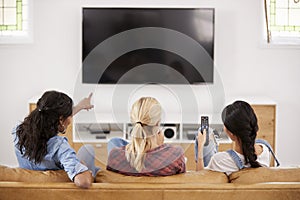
(140, 123)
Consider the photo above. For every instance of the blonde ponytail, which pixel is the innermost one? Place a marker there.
(145, 115)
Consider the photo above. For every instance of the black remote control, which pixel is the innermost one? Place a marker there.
(205, 125)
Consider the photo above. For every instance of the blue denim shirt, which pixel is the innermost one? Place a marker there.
(60, 156)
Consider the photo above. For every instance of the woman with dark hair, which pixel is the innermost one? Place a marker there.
(240, 124)
(38, 146)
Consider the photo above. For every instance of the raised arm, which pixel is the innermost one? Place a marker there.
(201, 140)
(85, 103)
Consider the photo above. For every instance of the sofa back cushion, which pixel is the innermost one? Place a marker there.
(104, 176)
(203, 176)
(264, 174)
(26, 175)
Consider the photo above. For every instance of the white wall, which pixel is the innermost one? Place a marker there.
(246, 67)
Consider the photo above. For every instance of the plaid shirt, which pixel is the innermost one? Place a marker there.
(164, 160)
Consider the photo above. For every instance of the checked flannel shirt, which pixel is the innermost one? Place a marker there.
(164, 160)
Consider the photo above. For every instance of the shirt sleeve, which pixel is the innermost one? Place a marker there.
(180, 166)
(68, 160)
(264, 158)
(222, 162)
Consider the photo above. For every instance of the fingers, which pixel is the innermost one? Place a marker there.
(201, 137)
(204, 134)
(90, 96)
(89, 106)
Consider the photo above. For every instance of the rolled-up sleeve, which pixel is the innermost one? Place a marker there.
(68, 160)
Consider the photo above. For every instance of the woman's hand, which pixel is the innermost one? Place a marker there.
(84, 179)
(201, 138)
(85, 103)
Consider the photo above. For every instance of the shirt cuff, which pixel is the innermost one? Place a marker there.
(79, 168)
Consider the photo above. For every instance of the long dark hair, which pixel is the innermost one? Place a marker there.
(42, 124)
(240, 119)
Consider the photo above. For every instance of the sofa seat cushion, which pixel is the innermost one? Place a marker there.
(26, 175)
(264, 174)
(204, 176)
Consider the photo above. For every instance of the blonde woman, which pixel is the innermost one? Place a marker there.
(146, 154)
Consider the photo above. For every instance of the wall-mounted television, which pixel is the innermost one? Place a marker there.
(147, 45)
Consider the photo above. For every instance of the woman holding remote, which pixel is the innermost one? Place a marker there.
(38, 146)
(240, 124)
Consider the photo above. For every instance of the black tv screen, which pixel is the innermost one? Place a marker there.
(147, 45)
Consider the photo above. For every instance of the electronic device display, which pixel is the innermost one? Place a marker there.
(147, 45)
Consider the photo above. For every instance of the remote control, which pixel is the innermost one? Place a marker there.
(204, 125)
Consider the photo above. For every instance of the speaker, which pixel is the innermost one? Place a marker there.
(170, 132)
